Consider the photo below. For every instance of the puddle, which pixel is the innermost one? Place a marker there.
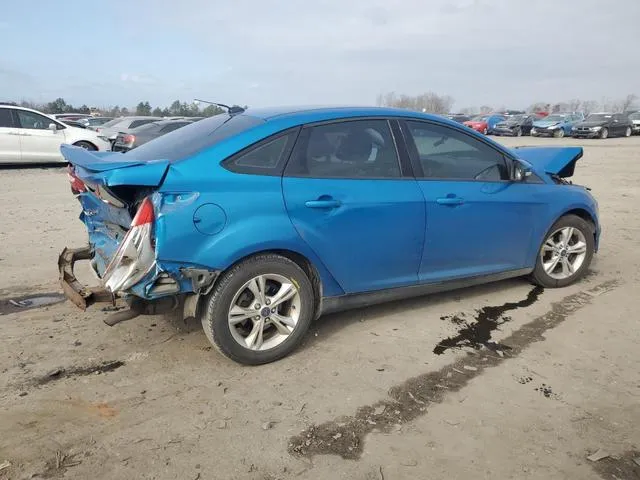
(28, 302)
(345, 436)
(624, 467)
(478, 334)
(60, 373)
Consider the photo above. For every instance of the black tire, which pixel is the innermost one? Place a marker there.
(627, 132)
(86, 145)
(518, 132)
(215, 316)
(559, 133)
(540, 277)
(604, 133)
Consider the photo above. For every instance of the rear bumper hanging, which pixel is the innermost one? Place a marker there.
(76, 292)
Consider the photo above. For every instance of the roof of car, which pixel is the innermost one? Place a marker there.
(319, 113)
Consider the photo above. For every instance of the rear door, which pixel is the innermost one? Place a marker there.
(349, 198)
(9, 137)
(478, 221)
(37, 142)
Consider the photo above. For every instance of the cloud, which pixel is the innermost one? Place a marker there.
(137, 78)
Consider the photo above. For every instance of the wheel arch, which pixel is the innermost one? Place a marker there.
(85, 141)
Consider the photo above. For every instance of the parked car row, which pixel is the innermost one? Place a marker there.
(558, 125)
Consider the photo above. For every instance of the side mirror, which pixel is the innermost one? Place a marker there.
(53, 127)
(520, 172)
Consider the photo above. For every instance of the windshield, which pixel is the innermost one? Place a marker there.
(554, 118)
(516, 118)
(480, 118)
(598, 117)
(188, 140)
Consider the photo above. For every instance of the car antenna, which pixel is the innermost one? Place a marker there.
(230, 110)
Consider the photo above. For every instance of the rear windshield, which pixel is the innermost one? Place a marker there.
(193, 138)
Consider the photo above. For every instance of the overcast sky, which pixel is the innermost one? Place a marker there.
(271, 52)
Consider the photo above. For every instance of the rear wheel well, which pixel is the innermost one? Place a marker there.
(86, 142)
(303, 262)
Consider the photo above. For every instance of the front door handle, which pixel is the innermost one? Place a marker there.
(324, 203)
(451, 201)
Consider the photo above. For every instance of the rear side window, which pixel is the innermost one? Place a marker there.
(193, 138)
(173, 126)
(265, 158)
(138, 123)
(446, 153)
(5, 118)
(347, 149)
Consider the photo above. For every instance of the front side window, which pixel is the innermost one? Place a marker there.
(347, 149)
(445, 153)
(32, 120)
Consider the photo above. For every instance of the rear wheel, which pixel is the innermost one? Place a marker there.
(485, 131)
(604, 133)
(627, 132)
(566, 253)
(86, 145)
(259, 310)
(518, 132)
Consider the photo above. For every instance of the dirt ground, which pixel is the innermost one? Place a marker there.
(365, 397)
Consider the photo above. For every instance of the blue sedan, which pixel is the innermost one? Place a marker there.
(258, 221)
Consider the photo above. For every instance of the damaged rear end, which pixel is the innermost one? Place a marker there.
(122, 209)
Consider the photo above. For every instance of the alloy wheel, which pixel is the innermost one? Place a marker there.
(563, 253)
(264, 312)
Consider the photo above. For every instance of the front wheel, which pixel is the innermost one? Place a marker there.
(518, 132)
(604, 133)
(566, 253)
(559, 133)
(259, 310)
(627, 132)
(485, 131)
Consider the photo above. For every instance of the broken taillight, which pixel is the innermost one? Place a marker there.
(144, 214)
(77, 185)
(129, 139)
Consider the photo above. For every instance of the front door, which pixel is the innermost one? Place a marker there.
(9, 138)
(478, 221)
(347, 197)
(38, 142)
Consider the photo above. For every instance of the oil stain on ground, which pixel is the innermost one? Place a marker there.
(344, 436)
(60, 373)
(28, 302)
(624, 467)
(478, 334)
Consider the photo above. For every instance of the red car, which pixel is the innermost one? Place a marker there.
(485, 123)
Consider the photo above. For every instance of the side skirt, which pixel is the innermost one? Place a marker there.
(360, 300)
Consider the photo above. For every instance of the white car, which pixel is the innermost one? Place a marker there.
(29, 136)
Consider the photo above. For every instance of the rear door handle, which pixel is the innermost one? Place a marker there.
(325, 203)
(452, 201)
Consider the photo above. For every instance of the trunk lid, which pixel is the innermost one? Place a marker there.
(560, 161)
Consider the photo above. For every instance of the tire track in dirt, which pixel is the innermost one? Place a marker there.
(345, 436)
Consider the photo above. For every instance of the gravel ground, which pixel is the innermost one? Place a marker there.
(365, 397)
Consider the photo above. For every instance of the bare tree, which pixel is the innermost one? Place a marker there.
(574, 104)
(628, 102)
(427, 102)
(486, 109)
(589, 106)
(468, 110)
(538, 107)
